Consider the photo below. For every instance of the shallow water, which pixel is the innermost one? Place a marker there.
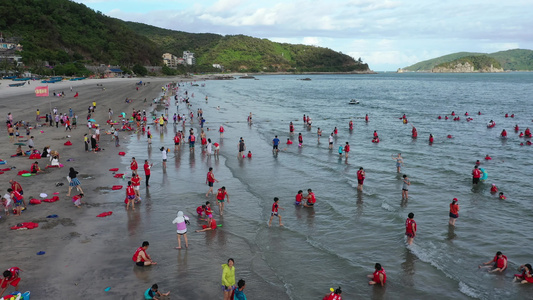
(339, 241)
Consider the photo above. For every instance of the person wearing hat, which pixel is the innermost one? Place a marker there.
(454, 211)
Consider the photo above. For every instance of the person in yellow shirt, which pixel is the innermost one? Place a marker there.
(228, 278)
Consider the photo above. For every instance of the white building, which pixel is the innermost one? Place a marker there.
(189, 58)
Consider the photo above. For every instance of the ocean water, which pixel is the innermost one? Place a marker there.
(337, 242)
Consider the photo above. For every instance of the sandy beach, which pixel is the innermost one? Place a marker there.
(82, 252)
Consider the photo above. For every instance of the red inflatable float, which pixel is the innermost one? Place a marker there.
(113, 169)
(105, 214)
(118, 175)
(122, 153)
(25, 225)
(116, 187)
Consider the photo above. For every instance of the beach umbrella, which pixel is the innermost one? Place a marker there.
(92, 120)
(21, 144)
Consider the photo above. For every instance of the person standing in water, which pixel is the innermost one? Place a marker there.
(181, 222)
(399, 162)
(454, 211)
(360, 179)
(210, 180)
(410, 228)
(405, 187)
(228, 278)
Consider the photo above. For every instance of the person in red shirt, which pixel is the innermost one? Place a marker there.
(141, 258)
(350, 125)
(221, 130)
(130, 196)
(414, 133)
(11, 277)
(431, 139)
(454, 211)
(16, 186)
(210, 180)
(275, 208)
(493, 189)
(335, 131)
(366, 118)
(504, 134)
(360, 179)
(476, 175)
(147, 167)
(498, 263)
(18, 200)
(346, 149)
(311, 199)
(379, 277)
(136, 182)
(176, 142)
(221, 195)
(291, 128)
(211, 225)
(300, 140)
(133, 165)
(410, 228)
(299, 198)
(334, 295)
(526, 276)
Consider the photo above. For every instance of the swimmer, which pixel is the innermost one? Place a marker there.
(521, 134)
(405, 187)
(504, 134)
(493, 189)
(334, 295)
(414, 133)
(366, 118)
(350, 125)
(375, 139)
(330, 140)
(375, 133)
(476, 175)
(498, 263)
(430, 139)
(478, 162)
(516, 128)
(289, 142)
(346, 149)
(340, 151)
(275, 208)
(379, 277)
(445, 117)
(466, 113)
(439, 117)
(399, 161)
(311, 199)
(300, 140)
(487, 157)
(502, 196)
(361, 175)
(454, 211)
(319, 134)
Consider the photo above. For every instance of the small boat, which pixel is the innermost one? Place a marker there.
(9, 77)
(22, 79)
(353, 101)
(51, 81)
(17, 84)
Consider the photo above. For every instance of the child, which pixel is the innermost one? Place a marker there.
(502, 197)
(7, 202)
(289, 142)
(181, 222)
(19, 200)
(200, 210)
(340, 151)
(275, 208)
(249, 154)
(208, 211)
(130, 196)
(152, 292)
(299, 198)
(77, 200)
(405, 187)
(493, 189)
(211, 225)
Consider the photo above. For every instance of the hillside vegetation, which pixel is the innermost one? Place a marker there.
(475, 63)
(510, 60)
(240, 53)
(68, 35)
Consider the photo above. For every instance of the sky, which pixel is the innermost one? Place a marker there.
(386, 34)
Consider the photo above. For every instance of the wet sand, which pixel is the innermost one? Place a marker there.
(84, 254)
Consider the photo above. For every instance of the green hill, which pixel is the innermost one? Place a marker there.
(240, 53)
(477, 63)
(510, 60)
(68, 35)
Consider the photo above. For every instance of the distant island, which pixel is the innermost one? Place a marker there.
(509, 60)
(62, 37)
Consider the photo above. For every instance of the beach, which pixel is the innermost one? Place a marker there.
(337, 242)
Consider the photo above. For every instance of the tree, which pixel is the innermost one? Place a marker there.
(139, 70)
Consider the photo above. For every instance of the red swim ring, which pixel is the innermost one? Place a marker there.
(116, 187)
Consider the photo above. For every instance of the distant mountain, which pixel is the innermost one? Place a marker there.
(68, 35)
(240, 53)
(510, 60)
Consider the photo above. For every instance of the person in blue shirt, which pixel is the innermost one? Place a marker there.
(239, 292)
(152, 292)
(275, 143)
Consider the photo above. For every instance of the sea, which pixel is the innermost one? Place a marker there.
(336, 243)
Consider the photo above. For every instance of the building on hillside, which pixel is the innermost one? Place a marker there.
(189, 58)
(8, 51)
(170, 60)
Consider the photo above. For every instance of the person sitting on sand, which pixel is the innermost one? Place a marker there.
(141, 258)
(20, 152)
(152, 292)
(35, 168)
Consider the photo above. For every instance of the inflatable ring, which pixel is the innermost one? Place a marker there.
(2, 162)
(113, 169)
(122, 153)
(116, 187)
(485, 174)
(119, 175)
(26, 175)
